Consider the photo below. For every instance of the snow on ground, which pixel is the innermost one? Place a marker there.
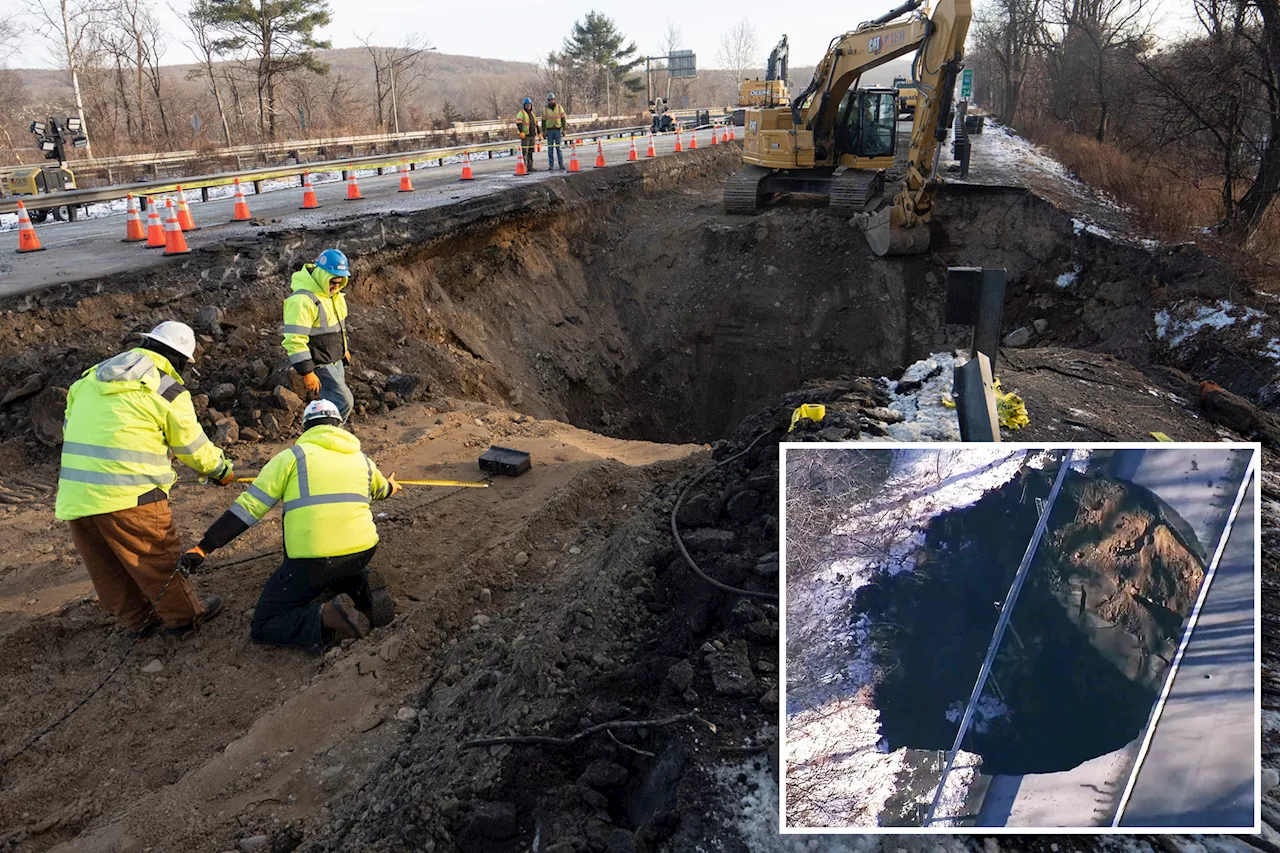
(840, 771)
(926, 418)
(1186, 319)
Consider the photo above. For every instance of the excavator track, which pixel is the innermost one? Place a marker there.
(742, 190)
(854, 190)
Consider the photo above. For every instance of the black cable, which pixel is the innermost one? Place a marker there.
(675, 528)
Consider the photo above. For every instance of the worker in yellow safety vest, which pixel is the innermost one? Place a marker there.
(315, 329)
(554, 120)
(527, 126)
(123, 417)
(326, 485)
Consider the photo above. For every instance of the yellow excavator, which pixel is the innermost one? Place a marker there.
(837, 139)
(772, 90)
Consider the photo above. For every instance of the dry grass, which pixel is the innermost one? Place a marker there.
(1171, 206)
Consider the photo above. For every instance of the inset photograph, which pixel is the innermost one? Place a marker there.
(1019, 638)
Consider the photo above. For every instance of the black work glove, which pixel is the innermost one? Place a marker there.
(191, 560)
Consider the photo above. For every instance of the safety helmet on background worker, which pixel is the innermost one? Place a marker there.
(528, 102)
(334, 263)
(321, 412)
(551, 96)
(176, 336)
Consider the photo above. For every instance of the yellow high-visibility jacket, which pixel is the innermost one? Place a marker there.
(123, 416)
(315, 330)
(526, 123)
(554, 118)
(326, 484)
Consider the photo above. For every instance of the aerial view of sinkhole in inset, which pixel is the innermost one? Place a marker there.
(1095, 626)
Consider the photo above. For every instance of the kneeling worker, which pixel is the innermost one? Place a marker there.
(123, 417)
(326, 484)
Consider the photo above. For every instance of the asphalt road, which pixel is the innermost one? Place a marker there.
(89, 248)
(1202, 764)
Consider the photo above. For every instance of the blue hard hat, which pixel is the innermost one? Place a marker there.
(528, 100)
(334, 263)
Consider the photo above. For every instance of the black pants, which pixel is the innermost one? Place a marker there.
(288, 614)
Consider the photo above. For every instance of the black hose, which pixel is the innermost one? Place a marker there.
(675, 528)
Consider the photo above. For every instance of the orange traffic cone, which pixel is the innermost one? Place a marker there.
(353, 189)
(520, 167)
(185, 221)
(573, 158)
(241, 212)
(713, 135)
(632, 155)
(174, 242)
(406, 186)
(537, 145)
(693, 139)
(600, 164)
(309, 201)
(155, 228)
(679, 147)
(651, 152)
(733, 136)
(27, 239)
(133, 230)
(466, 167)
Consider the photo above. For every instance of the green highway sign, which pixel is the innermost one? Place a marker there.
(966, 83)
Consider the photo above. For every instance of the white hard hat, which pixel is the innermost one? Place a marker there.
(176, 336)
(317, 409)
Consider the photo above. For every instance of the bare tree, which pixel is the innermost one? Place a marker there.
(397, 73)
(199, 23)
(1009, 32)
(69, 24)
(738, 52)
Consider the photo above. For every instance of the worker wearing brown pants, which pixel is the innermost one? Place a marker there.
(130, 554)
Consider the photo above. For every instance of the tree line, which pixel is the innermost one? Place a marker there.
(1195, 117)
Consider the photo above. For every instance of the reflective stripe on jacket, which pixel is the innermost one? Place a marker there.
(315, 330)
(326, 484)
(553, 118)
(526, 123)
(123, 416)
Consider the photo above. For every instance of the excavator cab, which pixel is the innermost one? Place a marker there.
(867, 127)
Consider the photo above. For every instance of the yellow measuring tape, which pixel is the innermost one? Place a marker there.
(465, 484)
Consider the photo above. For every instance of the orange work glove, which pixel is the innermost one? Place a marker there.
(224, 475)
(395, 487)
(191, 560)
(312, 382)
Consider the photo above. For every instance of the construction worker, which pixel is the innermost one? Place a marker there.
(326, 484)
(554, 121)
(123, 417)
(315, 330)
(527, 125)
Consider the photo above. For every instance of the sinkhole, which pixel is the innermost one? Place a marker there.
(1090, 638)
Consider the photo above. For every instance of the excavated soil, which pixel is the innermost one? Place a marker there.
(597, 321)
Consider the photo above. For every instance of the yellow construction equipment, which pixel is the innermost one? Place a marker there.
(838, 140)
(908, 94)
(772, 90)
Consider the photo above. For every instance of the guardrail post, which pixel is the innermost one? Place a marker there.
(257, 187)
(204, 193)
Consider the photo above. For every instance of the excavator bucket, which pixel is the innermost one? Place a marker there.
(888, 238)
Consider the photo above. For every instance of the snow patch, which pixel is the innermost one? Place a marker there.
(755, 815)
(925, 416)
(1069, 277)
(988, 710)
(1220, 315)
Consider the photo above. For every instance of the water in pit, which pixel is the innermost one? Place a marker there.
(1091, 636)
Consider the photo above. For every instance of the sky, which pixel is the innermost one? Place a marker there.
(527, 31)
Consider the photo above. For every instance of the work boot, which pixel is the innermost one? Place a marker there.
(212, 607)
(340, 616)
(381, 609)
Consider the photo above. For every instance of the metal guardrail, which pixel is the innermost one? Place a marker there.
(257, 176)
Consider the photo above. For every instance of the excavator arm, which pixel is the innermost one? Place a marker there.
(902, 228)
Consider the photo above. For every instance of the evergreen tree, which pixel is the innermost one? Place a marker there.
(604, 57)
